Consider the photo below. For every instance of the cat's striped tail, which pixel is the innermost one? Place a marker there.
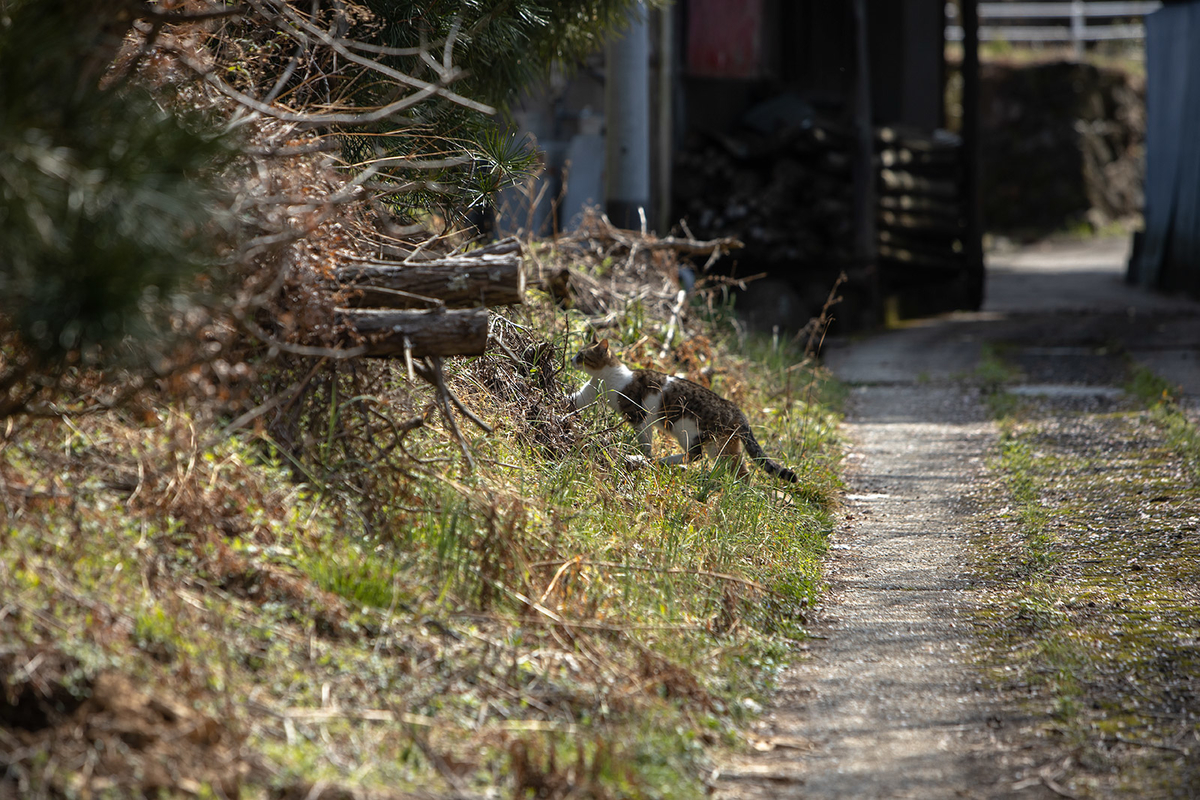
(756, 453)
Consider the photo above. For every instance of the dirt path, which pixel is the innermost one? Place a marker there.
(894, 710)
(889, 705)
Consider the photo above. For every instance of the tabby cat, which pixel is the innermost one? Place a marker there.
(697, 417)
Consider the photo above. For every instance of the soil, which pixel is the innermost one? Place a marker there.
(890, 704)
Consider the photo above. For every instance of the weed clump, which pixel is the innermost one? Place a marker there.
(337, 586)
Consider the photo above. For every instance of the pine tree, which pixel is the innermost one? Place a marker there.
(102, 214)
(106, 209)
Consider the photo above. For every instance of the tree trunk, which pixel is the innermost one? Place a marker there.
(438, 332)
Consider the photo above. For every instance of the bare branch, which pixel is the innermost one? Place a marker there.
(378, 49)
(448, 48)
(209, 75)
(401, 77)
(413, 163)
(320, 146)
(431, 378)
(433, 365)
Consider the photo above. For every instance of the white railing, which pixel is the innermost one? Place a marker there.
(1076, 13)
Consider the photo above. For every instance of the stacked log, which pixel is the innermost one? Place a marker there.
(437, 332)
(789, 197)
(922, 215)
(436, 307)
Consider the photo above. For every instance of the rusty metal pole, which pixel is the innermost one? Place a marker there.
(864, 163)
(972, 199)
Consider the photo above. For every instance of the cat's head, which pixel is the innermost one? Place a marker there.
(595, 356)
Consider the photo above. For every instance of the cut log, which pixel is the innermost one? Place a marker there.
(924, 223)
(895, 181)
(944, 160)
(923, 258)
(917, 139)
(414, 251)
(918, 204)
(438, 332)
(467, 281)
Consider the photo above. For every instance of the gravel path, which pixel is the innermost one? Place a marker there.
(887, 706)
(894, 710)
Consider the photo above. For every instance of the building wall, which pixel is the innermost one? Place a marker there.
(1167, 256)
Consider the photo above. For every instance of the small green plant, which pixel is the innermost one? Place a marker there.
(1150, 388)
(994, 371)
(155, 632)
(362, 575)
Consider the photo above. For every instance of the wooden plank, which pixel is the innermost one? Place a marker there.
(1052, 33)
(922, 204)
(1097, 9)
(924, 224)
(894, 181)
(908, 257)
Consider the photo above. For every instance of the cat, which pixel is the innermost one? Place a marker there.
(697, 417)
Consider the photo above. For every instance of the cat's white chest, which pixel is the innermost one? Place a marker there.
(613, 381)
(607, 385)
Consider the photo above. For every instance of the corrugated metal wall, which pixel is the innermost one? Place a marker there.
(1169, 255)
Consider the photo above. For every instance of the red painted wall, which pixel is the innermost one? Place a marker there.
(724, 38)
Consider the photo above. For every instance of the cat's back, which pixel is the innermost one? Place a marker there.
(644, 392)
(704, 402)
(680, 397)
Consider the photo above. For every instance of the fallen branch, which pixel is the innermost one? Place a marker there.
(297, 714)
(661, 571)
(634, 239)
(430, 377)
(676, 310)
(434, 367)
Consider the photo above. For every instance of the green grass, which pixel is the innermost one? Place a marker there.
(556, 617)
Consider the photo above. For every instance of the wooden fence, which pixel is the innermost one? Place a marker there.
(1078, 21)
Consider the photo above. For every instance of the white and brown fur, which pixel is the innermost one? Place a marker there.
(697, 417)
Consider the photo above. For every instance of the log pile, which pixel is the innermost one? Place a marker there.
(787, 196)
(921, 218)
(435, 307)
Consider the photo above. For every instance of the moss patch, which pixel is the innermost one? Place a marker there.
(1093, 600)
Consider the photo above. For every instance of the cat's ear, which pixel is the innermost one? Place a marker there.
(604, 345)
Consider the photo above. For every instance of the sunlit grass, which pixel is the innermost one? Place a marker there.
(557, 612)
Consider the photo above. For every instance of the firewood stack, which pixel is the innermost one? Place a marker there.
(922, 220)
(1078, 132)
(434, 307)
(787, 196)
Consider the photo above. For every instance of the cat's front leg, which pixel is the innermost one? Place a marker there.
(646, 439)
(586, 395)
